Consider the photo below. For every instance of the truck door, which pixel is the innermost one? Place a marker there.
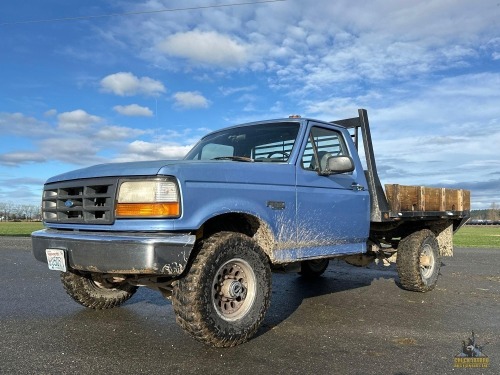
(333, 211)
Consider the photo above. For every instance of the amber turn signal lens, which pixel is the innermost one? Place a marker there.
(171, 209)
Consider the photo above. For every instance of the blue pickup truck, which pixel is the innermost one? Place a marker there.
(208, 230)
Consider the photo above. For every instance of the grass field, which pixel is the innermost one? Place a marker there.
(21, 229)
(467, 236)
(478, 236)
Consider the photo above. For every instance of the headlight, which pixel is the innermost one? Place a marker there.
(148, 198)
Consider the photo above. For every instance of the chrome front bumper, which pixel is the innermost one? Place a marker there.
(119, 253)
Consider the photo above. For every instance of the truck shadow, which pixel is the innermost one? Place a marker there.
(291, 290)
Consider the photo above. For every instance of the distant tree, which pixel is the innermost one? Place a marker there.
(6, 210)
(32, 212)
(25, 211)
(493, 212)
(36, 212)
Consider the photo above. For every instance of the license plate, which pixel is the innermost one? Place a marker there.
(56, 259)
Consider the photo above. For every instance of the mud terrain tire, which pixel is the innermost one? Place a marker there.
(93, 292)
(311, 269)
(418, 261)
(225, 295)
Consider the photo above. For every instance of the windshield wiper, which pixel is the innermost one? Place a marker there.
(235, 158)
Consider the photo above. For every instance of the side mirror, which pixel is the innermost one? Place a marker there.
(338, 164)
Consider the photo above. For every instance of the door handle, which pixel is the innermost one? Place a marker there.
(357, 187)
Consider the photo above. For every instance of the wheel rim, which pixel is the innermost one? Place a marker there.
(427, 262)
(234, 289)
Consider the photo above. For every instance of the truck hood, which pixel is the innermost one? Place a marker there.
(140, 168)
(190, 170)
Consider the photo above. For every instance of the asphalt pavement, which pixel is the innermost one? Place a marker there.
(350, 321)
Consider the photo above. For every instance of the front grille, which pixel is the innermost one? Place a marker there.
(89, 201)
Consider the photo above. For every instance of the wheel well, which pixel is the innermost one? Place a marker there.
(442, 229)
(241, 223)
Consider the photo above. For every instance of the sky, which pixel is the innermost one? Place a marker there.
(89, 82)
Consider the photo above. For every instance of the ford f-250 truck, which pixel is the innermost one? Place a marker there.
(208, 230)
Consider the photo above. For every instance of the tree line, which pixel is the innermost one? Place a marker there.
(10, 211)
(487, 216)
(492, 213)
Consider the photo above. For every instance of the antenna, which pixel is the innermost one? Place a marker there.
(156, 136)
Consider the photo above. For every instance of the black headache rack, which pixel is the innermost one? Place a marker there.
(379, 206)
(404, 202)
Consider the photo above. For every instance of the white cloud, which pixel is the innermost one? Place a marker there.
(14, 159)
(206, 47)
(117, 133)
(75, 137)
(77, 150)
(133, 110)
(190, 99)
(22, 125)
(127, 84)
(77, 120)
(142, 150)
(320, 44)
(226, 91)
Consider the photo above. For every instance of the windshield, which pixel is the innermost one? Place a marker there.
(270, 142)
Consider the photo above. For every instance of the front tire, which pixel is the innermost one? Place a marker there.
(418, 261)
(225, 295)
(96, 292)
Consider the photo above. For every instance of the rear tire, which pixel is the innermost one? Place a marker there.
(418, 261)
(311, 269)
(225, 295)
(93, 291)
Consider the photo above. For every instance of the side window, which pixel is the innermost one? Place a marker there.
(322, 143)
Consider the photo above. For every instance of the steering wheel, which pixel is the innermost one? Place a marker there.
(285, 155)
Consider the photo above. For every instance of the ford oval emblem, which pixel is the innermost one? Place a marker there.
(69, 203)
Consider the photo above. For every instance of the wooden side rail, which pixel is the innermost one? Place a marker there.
(403, 198)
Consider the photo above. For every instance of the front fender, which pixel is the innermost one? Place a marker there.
(209, 209)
